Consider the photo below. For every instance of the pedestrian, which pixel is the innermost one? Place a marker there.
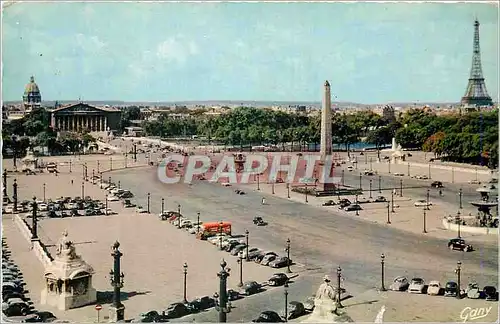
(440, 192)
(72, 181)
(263, 201)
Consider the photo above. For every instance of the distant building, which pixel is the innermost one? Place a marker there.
(81, 117)
(32, 97)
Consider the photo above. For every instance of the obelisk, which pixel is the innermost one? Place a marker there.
(326, 123)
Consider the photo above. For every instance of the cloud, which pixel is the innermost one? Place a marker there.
(89, 43)
(176, 49)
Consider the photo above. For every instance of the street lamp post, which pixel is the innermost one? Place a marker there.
(111, 163)
(93, 175)
(109, 180)
(427, 201)
(5, 182)
(458, 220)
(392, 201)
(163, 207)
(135, 152)
(185, 266)
(83, 190)
(382, 263)
(429, 172)
(408, 168)
(106, 202)
(360, 181)
(400, 187)
(98, 166)
(371, 188)
(240, 263)
(272, 187)
(388, 214)
(223, 306)
(119, 184)
(117, 308)
(371, 164)
(339, 275)
(287, 249)
(460, 197)
(258, 181)
(458, 271)
(389, 166)
(286, 300)
(197, 222)
(306, 194)
(14, 194)
(179, 218)
(34, 226)
(246, 239)
(357, 213)
(220, 234)
(380, 184)
(288, 190)
(425, 221)
(149, 201)
(343, 177)
(69, 166)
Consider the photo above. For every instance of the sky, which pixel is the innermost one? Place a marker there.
(369, 52)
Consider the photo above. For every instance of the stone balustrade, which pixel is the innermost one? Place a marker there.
(38, 247)
(449, 224)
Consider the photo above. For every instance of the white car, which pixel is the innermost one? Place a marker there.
(43, 207)
(109, 211)
(186, 223)
(421, 177)
(434, 288)
(113, 198)
(9, 209)
(475, 182)
(422, 203)
(215, 239)
(250, 251)
(416, 286)
(195, 229)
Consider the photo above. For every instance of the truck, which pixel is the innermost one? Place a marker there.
(214, 228)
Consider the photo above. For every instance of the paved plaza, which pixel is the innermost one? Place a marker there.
(322, 239)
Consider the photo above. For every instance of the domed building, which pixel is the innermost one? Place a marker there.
(32, 97)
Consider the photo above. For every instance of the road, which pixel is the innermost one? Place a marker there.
(321, 241)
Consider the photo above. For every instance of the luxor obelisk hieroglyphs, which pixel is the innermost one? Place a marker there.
(326, 132)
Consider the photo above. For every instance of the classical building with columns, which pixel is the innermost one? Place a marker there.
(81, 117)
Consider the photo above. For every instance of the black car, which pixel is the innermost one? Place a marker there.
(451, 289)
(437, 184)
(258, 259)
(15, 307)
(268, 317)
(280, 262)
(233, 295)
(278, 279)
(176, 310)
(295, 309)
(203, 303)
(40, 317)
(459, 244)
(353, 207)
(344, 203)
(231, 245)
(490, 293)
(329, 203)
(251, 287)
(259, 221)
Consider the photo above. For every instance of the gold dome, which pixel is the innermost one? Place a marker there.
(31, 87)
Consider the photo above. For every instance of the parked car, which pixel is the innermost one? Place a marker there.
(459, 244)
(176, 310)
(280, 262)
(259, 221)
(421, 177)
(416, 286)
(268, 317)
(437, 184)
(344, 203)
(228, 245)
(353, 207)
(233, 295)
(40, 317)
(399, 284)
(278, 279)
(203, 303)
(399, 174)
(473, 291)
(434, 288)
(380, 199)
(422, 203)
(451, 289)
(15, 307)
(329, 203)
(268, 259)
(295, 309)
(368, 172)
(140, 210)
(237, 249)
(113, 198)
(251, 287)
(490, 293)
(251, 253)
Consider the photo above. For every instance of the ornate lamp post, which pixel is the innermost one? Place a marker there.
(287, 249)
(222, 305)
(185, 266)
(34, 225)
(382, 263)
(400, 187)
(179, 217)
(460, 197)
(458, 220)
(388, 213)
(43, 192)
(371, 188)
(379, 184)
(163, 206)
(14, 194)
(286, 300)
(288, 190)
(458, 270)
(117, 310)
(339, 276)
(246, 239)
(5, 182)
(425, 221)
(149, 201)
(240, 263)
(220, 234)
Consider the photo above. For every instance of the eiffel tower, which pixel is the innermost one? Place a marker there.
(476, 94)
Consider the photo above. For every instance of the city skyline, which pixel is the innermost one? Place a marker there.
(246, 51)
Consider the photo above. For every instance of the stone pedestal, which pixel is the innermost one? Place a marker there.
(68, 279)
(116, 313)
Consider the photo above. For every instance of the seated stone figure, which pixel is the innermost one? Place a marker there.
(66, 248)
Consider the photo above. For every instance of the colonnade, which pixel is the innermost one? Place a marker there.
(94, 123)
